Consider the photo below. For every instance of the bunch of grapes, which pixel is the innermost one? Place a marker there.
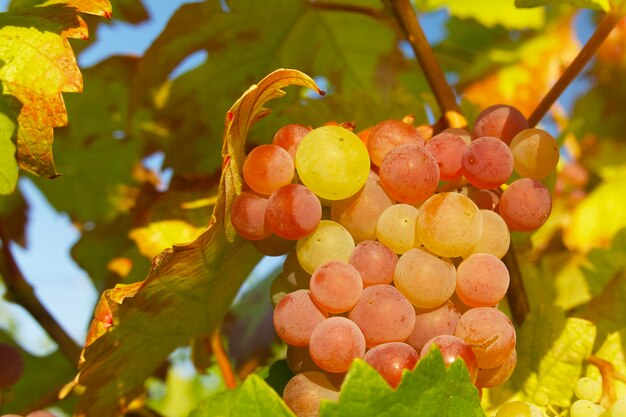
(398, 243)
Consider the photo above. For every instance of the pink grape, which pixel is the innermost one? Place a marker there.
(525, 205)
(247, 215)
(462, 133)
(335, 343)
(500, 121)
(336, 286)
(482, 280)
(11, 365)
(492, 377)
(375, 261)
(304, 393)
(289, 137)
(389, 134)
(293, 212)
(290, 279)
(295, 317)
(409, 174)
(487, 162)
(447, 148)
(431, 323)
(299, 359)
(391, 359)
(267, 168)
(453, 348)
(484, 199)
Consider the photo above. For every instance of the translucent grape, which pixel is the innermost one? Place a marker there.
(525, 205)
(482, 280)
(332, 162)
(462, 133)
(336, 286)
(495, 238)
(519, 409)
(289, 137)
(489, 332)
(424, 279)
(359, 213)
(295, 317)
(304, 393)
(293, 212)
(453, 348)
(335, 343)
(329, 242)
(487, 162)
(267, 168)
(588, 389)
(429, 324)
(409, 174)
(447, 148)
(384, 315)
(492, 377)
(247, 215)
(535, 153)
(396, 228)
(540, 398)
(391, 359)
(500, 121)
(291, 278)
(484, 199)
(618, 408)
(375, 261)
(449, 224)
(11, 365)
(583, 408)
(388, 135)
(299, 359)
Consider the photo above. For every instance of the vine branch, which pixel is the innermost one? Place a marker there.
(516, 295)
(22, 293)
(609, 21)
(222, 359)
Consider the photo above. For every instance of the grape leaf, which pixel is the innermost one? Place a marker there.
(158, 236)
(589, 4)
(96, 7)
(189, 288)
(613, 350)
(8, 163)
(430, 390)
(254, 398)
(604, 263)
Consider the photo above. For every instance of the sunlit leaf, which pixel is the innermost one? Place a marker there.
(157, 237)
(8, 163)
(97, 7)
(590, 4)
(613, 350)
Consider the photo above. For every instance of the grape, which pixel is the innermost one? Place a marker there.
(453, 348)
(247, 215)
(11, 365)
(588, 389)
(267, 168)
(492, 377)
(525, 205)
(329, 242)
(489, 332)
(487, 163)
(332, 162)
(396, 228)
(501, 121)
(364, 135)
(447, 148)
(295, 317)
(274, 245)
(375, 261)
(429, 324)
(335, 343)
(583, 408)
(293, 212)
(618, 408)
(424, 279)
(540, 398)
(304, 392)
(409, 174)
(289, 137)
(299, 359)
(519, 409)
(462, 133)
(484, 199)
(482, 280)
(389, 134)
(449, 224)
(390, 359)
(359, 213)
(291, 278)
(384, 315)
(535, 153)
(495, 238)
(336, 286)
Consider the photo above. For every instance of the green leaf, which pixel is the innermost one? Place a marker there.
(430, 390)
(189, 288)
(8, 163)
(254, 398)
(603, 264)
(589, 4)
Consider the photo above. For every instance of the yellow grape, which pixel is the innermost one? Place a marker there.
(535, 153)
(329, 242)
(396, 228)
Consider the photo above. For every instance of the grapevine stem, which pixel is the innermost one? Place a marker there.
(22, 293)
(222, 359)
(607, 371)
(406, 17)
(516, 295)
(571, 72)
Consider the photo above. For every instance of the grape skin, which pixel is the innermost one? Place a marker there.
(336, 286)
(519, 409)
(295, 317)
(335, 343)
(495, 238)
(488, 378)
(391, 359)
(583, 408)
(447, 148)
(453, 348)
(482, 280)
(429, 324)
(289, 137)
(388, 135)
(304, 392)
(11, 365)
(267, 168)
(588, 389)
(396, 228)
(247, 215)
(525, 205)
(329, 242)
(487, 163)
(500, 121)
(535, 153)
(293, 212)
(375, 261)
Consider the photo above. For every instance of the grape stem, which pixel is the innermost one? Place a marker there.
(22, 293)
(609, 374)
(516, 295)
(610, 20)
(222, 359)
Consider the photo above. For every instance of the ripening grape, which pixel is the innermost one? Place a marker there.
(495, 238)
(304, 392)
(384, 315)
(299, 359)
(583, 408)
(462, 133)
(618, 408)
(295, 317)
(293, 212)
(449, 224)
(267, 168)
(540, 398)
(329, 242)
(409, 174)
(11, 365)
(335, 343)
(332, 162)
(391, 359)
(500, 121)
(525, 205)
(424, 279)
(396, 228)
(447, 148)
(588, 389)
(247, 215)
(492, 377)
(482, 280)
(429, 324)
(487, 163)
(375, 261)
(519, 409)
(290, 279)
(389, 134)
(489, 332)
(289, 137)
(336, 286)
(535, 153)
(453, 348)
(484, 199)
